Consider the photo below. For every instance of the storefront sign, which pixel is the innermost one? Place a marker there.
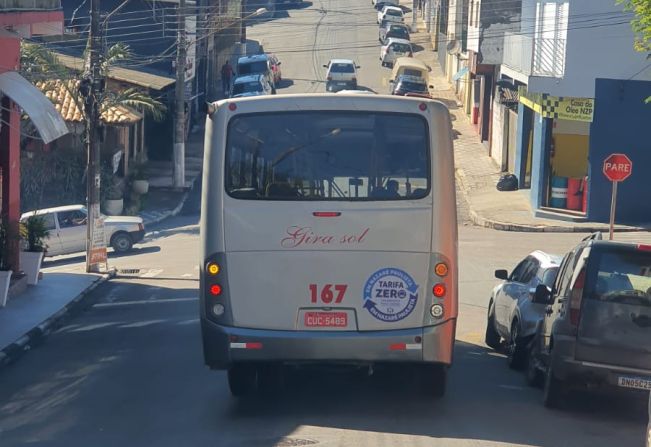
(562, 107)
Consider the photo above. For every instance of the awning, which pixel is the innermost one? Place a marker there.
(41, 111)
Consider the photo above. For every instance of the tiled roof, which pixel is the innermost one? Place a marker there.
(63, 101)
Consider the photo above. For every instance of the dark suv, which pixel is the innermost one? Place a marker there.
(596, 331)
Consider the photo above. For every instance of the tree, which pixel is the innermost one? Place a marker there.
(641, 24)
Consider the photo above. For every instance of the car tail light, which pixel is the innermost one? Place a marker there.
(576, 297)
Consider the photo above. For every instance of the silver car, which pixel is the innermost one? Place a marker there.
(512, 314)
(596, 332)
(67, 229)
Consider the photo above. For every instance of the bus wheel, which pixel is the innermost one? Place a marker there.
(433, 380)
(242, 380)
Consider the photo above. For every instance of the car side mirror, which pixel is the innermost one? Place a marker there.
(430, 86)
(325, 66)
(358, 67)
(502, 274)
(278, 63)
(541, 294)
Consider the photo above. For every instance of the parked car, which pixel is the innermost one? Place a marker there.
(596, 331)
(256, 64)
(251, 85)
(409, 86)
(394, 49)
(393, 29)
(410, 66)
(380, 3)
(67, 227)
(512, 314)
(341, 74)
(390, 13)
(275, 69)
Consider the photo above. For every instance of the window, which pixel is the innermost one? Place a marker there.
(247, 87)
(566, 279)
(621, 276)
(342, 68)
(252, 68)
(68, 219)
(532, 268)
(327, 156)
(518, 271)
(548, 276)
(48, 221)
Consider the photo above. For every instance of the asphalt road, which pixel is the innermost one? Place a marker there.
(129, 371)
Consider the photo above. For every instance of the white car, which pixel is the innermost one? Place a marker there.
(391, 14)
(67, 227)
(394, 49)
(341, 74)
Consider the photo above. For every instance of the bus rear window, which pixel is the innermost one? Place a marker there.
(318, 155)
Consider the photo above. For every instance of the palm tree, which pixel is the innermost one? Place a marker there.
(38, 63)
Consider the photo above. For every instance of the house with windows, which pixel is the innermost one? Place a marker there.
(580, 93)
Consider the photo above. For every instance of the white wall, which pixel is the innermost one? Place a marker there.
(599, 45)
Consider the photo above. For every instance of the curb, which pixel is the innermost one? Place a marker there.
(481, 221)
(12, 352)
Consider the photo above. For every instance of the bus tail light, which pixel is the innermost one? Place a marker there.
(436, 311)
(213, 268)
(218, 309)
(576, 298)
(441, 269)
(215, 290)
(438, 290)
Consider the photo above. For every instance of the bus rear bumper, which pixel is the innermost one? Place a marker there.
(224, 346)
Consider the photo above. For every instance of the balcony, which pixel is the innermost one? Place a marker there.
(538, 56)
(30, 5)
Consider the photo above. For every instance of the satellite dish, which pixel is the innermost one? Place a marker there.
(454, 47)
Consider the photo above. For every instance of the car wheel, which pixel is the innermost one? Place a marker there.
(533, 374)
(432, 379)
(242, 380)
(121, 242)
(492, 338)
(516, 353)
(554, 390)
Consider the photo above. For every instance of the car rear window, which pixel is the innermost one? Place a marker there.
(247, 87)
(251, 68)
(400, 47)
(398, 32)
(320, 155)
(342, 68)
(621, 276)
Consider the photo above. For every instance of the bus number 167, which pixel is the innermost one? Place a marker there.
(327, 294)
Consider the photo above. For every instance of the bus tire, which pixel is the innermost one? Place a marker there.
(242, 380)
(433, 379)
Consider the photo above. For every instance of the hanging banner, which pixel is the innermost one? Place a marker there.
(558, 107)
(98, 259)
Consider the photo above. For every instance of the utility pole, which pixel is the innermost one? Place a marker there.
(179, 121)
(91, 88)
(414, 14)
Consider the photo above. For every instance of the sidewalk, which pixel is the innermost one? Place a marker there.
(163, 200)
(38, 311)
(476, 172)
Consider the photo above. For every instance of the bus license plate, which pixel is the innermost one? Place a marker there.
(325, 319)
(640, 383)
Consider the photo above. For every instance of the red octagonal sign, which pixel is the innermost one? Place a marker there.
(617, 167)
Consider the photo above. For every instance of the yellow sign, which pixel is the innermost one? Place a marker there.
(564, 108)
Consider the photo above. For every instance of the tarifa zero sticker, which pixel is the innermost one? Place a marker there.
(390, 294)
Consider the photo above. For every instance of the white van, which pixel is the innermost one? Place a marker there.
(329, 235)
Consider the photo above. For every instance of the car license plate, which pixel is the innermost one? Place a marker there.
(640, 383)
(325, 319)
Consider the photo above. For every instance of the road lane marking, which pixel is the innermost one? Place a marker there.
(130, 303)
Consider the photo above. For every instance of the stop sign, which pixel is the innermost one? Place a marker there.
(617, 167)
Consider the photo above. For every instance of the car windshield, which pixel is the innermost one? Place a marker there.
(398, 32)
(411, 86)
(327, 156)
(342, 68)
(252, 67)
(622, 276)
(246, 87)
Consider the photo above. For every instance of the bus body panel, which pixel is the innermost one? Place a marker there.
(272, 284)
